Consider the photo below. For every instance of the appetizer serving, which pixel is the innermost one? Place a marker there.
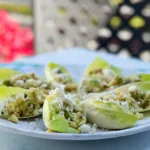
(108, 114)
(63, 115)
(60, 77)
(17, 103)
(104, 99)
(134, 96)
(26, 81)
(100, 76)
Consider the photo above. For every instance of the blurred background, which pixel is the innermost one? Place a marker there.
(30, 27)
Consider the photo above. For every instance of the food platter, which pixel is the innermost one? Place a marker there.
(35, 127)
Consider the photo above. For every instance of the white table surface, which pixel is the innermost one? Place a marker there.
(9, 141)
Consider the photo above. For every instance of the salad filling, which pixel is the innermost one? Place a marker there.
(60, 77)
(25, 105)
(100, 76)
(57, 73)
(104, 79)
(133, 99)
(71, 88)
(28, 81)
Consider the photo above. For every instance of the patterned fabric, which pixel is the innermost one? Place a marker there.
(61, 24)
(128, 30)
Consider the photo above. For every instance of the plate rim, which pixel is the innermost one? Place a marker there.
(75, 137)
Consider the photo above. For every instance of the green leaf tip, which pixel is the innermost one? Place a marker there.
(99, 63)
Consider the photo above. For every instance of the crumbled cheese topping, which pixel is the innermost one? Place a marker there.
(2, 105)
(33, 82)
(17, 76)
(43, 85)
(58, 103)
(56, 70)
(85, 128)
(20, 82)
(109, 73)
(132, 88)
(148, 93)
(125, 105)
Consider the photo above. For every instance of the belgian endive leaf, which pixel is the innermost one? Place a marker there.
(21, 98)
(53, 65)
(50, 75)
(145, 77)
(108, 115)
(99, 63)
(55, 122)
(141, 86)
(6, 73)
(6, 92)
(52, 117)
